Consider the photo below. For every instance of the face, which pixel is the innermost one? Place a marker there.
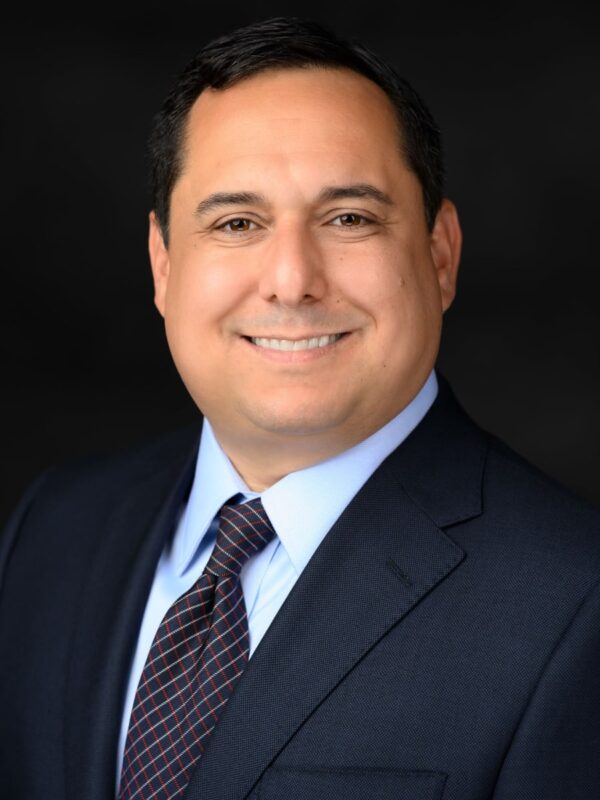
(301, 314)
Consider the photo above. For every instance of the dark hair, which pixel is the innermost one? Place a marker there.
(279, 43)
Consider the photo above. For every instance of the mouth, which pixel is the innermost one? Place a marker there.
(295, 345)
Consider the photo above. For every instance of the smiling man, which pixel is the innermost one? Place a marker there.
(336, 585)
(302, 289)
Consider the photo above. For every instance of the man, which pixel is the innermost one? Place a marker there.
(343, 587)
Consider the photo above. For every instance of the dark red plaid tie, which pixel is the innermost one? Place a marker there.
(196, 658)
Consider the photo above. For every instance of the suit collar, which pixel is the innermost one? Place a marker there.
(441, 464)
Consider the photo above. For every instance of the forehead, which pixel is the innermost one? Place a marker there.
(294, 121)
(325, 91)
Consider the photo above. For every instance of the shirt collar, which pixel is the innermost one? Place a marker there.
(303, 505)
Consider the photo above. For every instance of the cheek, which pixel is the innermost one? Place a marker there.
(407, 287)
(401, 294)
(371, 276)
(385, 288)
(202, 291)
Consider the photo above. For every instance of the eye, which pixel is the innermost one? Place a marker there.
(352, 220)
(235, 222)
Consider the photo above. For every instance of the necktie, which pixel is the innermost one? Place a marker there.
(197, 656)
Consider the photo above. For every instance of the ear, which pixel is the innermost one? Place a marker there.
(446, 243)
(159, 259)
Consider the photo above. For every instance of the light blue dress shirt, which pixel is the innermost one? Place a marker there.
(302, 507)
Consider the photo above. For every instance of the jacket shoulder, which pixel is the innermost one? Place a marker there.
(109, 471)
(538, 514)
(81, 492)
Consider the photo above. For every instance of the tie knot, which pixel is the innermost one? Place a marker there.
(244, 530)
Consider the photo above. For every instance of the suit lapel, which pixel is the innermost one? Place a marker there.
(383, 556)
(111, 611)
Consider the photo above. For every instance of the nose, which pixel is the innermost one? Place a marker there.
(293, 270)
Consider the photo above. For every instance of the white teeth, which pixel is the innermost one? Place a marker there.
(299, 344)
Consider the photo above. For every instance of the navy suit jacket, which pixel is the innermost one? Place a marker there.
(442, 642)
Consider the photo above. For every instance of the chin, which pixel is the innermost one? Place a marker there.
(299, 421)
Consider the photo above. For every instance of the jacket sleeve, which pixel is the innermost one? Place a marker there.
(555, 752)
(8, 536)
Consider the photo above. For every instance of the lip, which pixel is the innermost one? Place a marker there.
(297, 356)
(289, 338)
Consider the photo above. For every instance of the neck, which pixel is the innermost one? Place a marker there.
(263, 461)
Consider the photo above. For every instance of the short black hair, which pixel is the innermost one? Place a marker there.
(279, 43)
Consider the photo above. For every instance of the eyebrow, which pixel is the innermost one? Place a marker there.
(326, 194)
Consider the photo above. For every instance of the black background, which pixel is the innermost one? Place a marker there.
(515, 91)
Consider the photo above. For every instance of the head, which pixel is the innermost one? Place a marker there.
(298, 195)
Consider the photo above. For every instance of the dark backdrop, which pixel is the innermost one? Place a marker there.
(515, 91)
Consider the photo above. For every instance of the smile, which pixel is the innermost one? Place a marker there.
(296, 344)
